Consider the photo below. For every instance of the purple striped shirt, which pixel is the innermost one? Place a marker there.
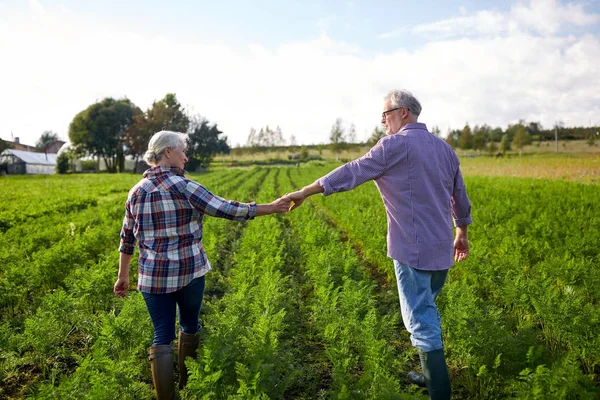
(419, 179)
(163, 213)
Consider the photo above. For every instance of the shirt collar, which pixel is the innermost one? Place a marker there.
(413, 125)
(162, 170)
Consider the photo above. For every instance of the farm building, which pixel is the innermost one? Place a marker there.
(28, 162)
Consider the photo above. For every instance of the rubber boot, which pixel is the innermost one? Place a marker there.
(435, 375)
(186, 348)
(161, 363)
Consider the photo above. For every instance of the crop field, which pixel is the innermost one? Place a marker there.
(304, 305)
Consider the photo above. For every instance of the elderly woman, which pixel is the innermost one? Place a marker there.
(163, 213)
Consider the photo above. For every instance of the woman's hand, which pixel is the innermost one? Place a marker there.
(281, 205)
(297, 198)
(121, 287)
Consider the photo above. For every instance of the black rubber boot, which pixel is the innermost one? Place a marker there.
(435, 375)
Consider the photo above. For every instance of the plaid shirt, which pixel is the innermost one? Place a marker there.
(163, 213)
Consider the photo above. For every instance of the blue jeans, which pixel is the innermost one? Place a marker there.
(418, 290)
(162, 308)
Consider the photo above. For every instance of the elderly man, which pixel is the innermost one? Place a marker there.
(419, 179)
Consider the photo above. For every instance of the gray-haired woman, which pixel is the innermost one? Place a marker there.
(163, 214)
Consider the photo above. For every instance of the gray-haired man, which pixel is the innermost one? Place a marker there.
(419, 179)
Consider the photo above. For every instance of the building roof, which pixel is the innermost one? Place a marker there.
(32, 158)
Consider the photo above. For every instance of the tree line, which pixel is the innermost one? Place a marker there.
(114, 128)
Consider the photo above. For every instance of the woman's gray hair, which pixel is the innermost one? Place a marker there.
(159, 143)
(404, 98)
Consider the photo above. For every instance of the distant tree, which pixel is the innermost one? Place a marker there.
(492, 148)
(436, 131)
(496, 134)
(204, 142)
(453, 137)
(377, 134)
(293, 143)
(466, 138)
(165, 114)
(45, 139)
(4, 145)
(336, 137)
(352, 134)
(62, 163)
(98, 130)
(504, 144)
(481, 135)
(303, 153)
(521, 138)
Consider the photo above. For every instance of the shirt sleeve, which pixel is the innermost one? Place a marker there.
(461, 206)
(348, 176)
(207, 203)
(127, 245)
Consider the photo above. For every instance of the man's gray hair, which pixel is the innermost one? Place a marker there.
(159, 143)
(404, 98)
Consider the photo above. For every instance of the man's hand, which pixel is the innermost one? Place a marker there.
(461, 244)
(297, 198)
(121, 287)
(281, 205)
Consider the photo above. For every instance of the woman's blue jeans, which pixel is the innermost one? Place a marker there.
(162, 308)
(418, 290)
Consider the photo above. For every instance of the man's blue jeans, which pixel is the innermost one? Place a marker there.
(162, 308)
(418, 290)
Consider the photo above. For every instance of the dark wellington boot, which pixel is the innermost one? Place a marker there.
(185, 348)
(161, 363)
(435, 372)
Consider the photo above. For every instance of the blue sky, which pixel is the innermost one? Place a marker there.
(301, 65)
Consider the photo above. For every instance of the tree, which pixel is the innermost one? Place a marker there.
(492, 148)
(481, 136)
(204, 142)
(165, 114)
(504, 144)
(62, 163)
(352, 134)
(521, 138)
(4, 145)
(436, 131)
(466, 138)
(337, 137)
(98, 130)
(377, 134)
(45, 139)
(453, 137)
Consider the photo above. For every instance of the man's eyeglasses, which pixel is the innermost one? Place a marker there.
(384, 114)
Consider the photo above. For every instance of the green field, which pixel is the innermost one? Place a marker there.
(303, 305)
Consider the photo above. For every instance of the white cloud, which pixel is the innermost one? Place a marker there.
(59, 62)
(543, 17)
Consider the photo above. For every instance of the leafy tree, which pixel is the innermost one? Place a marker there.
(466, 138)
(98, 129)
(521, 138)
(492, 147)
(436, 131)
(452, 137)
(337, 138)
(481, 136)
(45, 139)
(4, 145)
(165, 114)
(62, 163)
(504, 144)
(204, 142)
(377, 134)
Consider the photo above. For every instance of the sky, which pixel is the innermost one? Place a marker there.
(301, 65)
